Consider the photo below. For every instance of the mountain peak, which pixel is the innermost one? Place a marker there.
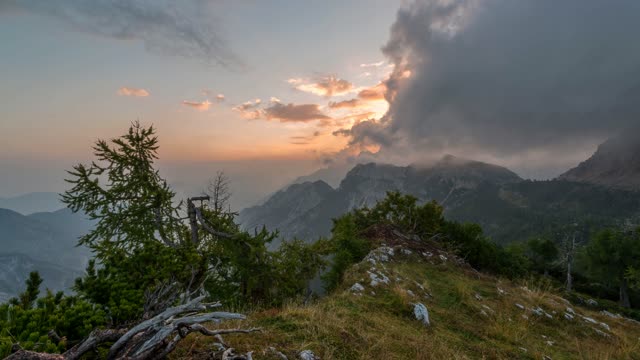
(615, 164)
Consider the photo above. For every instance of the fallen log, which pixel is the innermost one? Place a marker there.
(151, 339)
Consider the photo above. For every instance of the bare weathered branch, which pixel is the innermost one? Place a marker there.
(208, 228)
(96, 338)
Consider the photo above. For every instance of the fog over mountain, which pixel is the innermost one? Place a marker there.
(615, 164)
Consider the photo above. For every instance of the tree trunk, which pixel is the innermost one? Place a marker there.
(624, 293)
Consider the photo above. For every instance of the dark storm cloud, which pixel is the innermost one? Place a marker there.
(501, 77)
(185, 28)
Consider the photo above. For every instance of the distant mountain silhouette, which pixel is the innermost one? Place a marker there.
(33, 202)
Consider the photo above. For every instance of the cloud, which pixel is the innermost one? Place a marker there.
(250, 110)
(501, 79)
(367, 132)
(373, 93)
(345, 104)
(295, 112)
(276, 110)
(130, 91)
(209, 94)
(327, 86)
(188, 29)
(374, 65)
(198, 105)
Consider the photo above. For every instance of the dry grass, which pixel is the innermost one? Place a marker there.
(470, 319)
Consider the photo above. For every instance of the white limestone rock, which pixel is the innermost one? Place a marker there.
(308, 355)
(357, 288)
(421, 313)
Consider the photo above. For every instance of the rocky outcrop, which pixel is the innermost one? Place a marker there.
(615, 164)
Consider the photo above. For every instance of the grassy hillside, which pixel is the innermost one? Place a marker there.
(472, 316)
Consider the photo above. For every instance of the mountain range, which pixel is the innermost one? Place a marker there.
(603, 190)
(43, 241)
(32, 202)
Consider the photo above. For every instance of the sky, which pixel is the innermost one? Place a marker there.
(271, 90)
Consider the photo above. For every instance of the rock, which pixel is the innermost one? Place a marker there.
(549, 343)
(589, 320)
(500, 291)
(568, 316)
(611, 315)
(357, 288)
(592, 302)
(307, 355)
(546, 357)
(523, 349)
(406, 251)
(483, 313)
(421, 313)
(381, 254)
(520, 306)
(570, 311)
(478, 297)
(442, 257)
(377, 278)
(605, 326)
(538, 311)
(411, 293)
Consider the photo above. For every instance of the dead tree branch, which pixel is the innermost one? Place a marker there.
(153, 338)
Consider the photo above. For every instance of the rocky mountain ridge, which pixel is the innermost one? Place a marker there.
(616, 164)
(508, 207)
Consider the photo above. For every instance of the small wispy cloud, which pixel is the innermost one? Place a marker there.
(250, 110)
(345, 104)
(304, 139)
(131, 91)
(188, 28)
(373, 65)
(198, 105)
(327, 86)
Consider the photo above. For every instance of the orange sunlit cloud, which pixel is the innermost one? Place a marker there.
(373, 93)
(130, 91)
(345, 104)
(327, 86)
